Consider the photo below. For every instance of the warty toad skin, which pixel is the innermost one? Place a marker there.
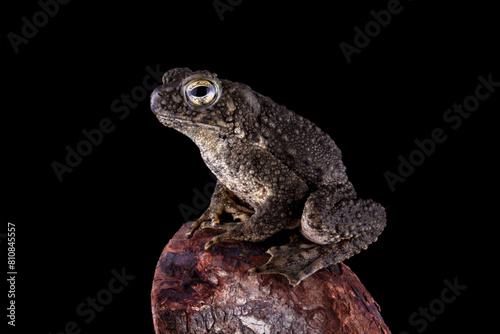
(275, 169)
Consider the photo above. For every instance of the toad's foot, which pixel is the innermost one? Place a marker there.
(234, 231)
(300, 259)
(222, 202)
(212, 217)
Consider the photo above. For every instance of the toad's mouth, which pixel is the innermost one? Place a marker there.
(175, 122)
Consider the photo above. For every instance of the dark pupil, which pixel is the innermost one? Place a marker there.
(199, 91)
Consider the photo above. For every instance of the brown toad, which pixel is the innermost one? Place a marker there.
(275, 169)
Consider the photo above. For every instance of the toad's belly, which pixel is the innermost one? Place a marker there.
(236, 177)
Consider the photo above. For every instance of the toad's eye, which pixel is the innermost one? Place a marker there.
(201, 92)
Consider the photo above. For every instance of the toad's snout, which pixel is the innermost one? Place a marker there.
(158, 101)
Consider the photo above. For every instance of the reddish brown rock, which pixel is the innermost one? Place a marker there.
(195, 291)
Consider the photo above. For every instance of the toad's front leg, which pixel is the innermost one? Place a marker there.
(223, 201)
(274, 191)
(269, 219)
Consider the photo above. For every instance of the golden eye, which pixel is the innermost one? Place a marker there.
(201, 92)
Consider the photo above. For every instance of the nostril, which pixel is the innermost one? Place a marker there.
(158, 92)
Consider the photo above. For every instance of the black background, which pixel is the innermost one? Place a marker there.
(119, 207)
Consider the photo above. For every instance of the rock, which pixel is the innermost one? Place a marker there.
(195, 291)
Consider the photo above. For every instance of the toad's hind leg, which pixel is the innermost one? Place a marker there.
(300, 259)
(339, 227)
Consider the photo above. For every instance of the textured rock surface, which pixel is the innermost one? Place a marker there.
(209, 292)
